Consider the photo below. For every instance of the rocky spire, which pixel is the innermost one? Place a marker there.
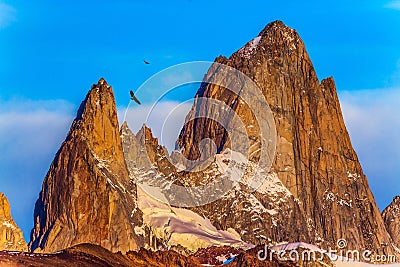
(87, 195)
(142, 151)
(11, 237)
(391, 216)
(314, 157)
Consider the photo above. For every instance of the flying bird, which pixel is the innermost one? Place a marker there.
(146, 62)
(133, 97)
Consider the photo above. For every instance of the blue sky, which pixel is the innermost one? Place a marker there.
(52, 51)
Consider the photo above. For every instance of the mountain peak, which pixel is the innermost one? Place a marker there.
(87, 188)
(275, 26)
(312, 147)
(97, 119)
(145, 136)
(277, 33)
(391, 217)
(277, 41)
(125, 132)
(10, 235)
(101, 83)
(124, 127)
(145, 132)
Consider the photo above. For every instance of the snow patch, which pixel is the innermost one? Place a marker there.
(182, 226)
(249, 49)
(272, 185)
(353, 176)
(8, 224)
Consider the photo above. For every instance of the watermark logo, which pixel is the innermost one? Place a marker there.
(341, 243)
(296, 252)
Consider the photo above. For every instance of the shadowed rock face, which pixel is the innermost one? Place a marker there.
(314, 156)
(142, 151)
(391, 216)
(87, 196)
(11, 237)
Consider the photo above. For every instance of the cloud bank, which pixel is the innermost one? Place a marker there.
(30, 134)
(7, 15)
(393, 5)
(373, 121)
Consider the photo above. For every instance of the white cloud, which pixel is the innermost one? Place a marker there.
(165, 119)
(30, 134)
(171, 80)
(393, 5)
(31, 127)
(372, 118)
(7, 15)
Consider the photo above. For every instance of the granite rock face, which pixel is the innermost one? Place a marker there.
(166, 226)
(87, 195)
(11, 237)
(314, 157)
(391, 216)
(142, 151)
(255, 216)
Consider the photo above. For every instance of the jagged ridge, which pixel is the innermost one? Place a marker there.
(87, 195)
(314, 158)
(391, 216)
(11, 237)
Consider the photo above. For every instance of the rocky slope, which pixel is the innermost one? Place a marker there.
(391, 216)
(142, 151)
(87, 195)
(167, 227)
(250, 216)
(11, 237)
(85, 255)
(88, 255)
(314, 157)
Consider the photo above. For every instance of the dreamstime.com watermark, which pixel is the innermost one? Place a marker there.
(340, 254)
